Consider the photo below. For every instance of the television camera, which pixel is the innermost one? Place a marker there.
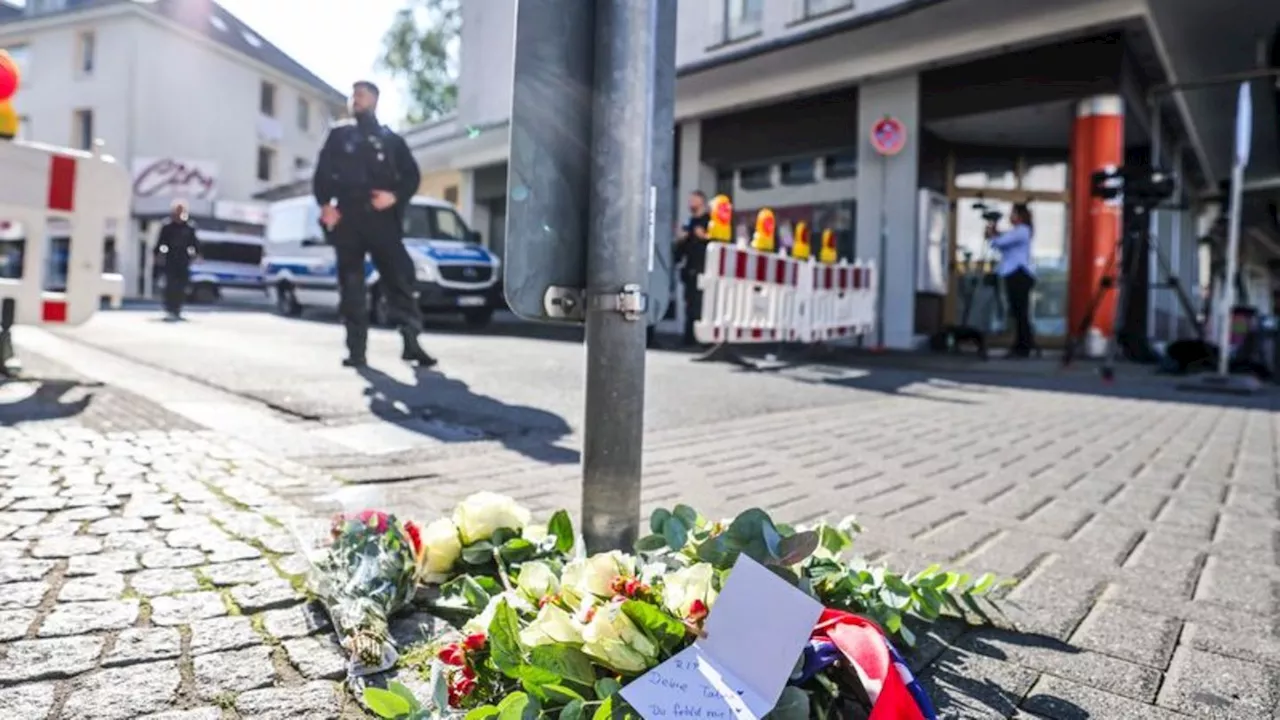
(989, 214)
(1140, 188)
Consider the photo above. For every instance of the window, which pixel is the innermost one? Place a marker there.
(82, 129)
(87, 45)
(724, 183)
(434, 223)
(304, 114)
(742, 19)
(840, 165)
(21, 55)
(451, 194)
(267, 100)
(814, 8)
(266, 164)
(758, 177)
(799, 172)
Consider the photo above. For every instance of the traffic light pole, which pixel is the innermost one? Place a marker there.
(632, 118)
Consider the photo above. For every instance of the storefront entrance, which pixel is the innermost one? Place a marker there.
(991, 181)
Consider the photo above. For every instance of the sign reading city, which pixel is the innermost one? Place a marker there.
(888, 136)
(175, 178)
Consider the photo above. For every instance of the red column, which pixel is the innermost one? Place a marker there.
(1097, 140)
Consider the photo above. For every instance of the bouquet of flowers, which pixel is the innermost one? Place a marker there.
(562, 635)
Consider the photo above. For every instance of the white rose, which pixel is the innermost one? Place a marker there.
(552, 625)
(595, 575)
(481, 622)
(441, 549)
(615, 642)
(681, 588)
(479, 516)
(537, 581)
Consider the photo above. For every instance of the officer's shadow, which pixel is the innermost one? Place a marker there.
(446, 409)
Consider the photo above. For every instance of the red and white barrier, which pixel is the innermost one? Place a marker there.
(42, 185)
(751, 297)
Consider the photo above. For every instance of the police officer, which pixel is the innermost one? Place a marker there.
(364, 180)
(176, 247)
(691, 247)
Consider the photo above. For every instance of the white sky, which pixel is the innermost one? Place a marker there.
(338, 40)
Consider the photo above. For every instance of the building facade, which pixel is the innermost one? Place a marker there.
(200, 107)
(1002, 103)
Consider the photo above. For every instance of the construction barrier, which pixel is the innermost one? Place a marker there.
(42, 185)
(752, 297)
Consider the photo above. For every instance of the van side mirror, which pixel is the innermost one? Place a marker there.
(473, 236)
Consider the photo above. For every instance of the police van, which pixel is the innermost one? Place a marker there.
(455, 273)
(227, 262)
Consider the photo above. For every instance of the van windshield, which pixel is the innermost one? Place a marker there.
(433, 223)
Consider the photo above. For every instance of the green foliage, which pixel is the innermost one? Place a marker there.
(420, 49)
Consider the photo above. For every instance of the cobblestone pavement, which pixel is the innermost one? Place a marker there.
(1142, 524)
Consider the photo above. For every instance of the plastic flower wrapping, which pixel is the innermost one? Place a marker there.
(535, 627)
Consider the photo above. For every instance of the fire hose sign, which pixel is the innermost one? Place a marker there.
(888, 136)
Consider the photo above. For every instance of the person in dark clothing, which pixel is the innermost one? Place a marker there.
(1019, 275)
(177, 247)
(364, 180)
(691, 252)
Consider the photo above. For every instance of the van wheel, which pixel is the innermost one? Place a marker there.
(379, 313)
(478, 318)
(204, 294)
(287, 302)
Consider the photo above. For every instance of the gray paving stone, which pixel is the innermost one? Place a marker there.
(1063, 700)
(268, 595)
(135, 542)
(105, 586)
(30, 660)
(40, 503)
(1212, 686)
(64, 547)
(1083, 666)
(33, 700)
(313, 701)
(317, 657)
(182, 558)
(24, 570)
(83, 513)
(137, 645)
(163, 582)
(294, 622)
(193, 536)
(966, 685)
(243, 571)
(1129, 634)
(43, 531)
(1237, 585)
(221, 634)
(124, 693)
(233, 672)
(12, 550)
(87, 617)
(293, 564)
(21, 519)
(111, 561)
(208, 713)
(1238, 642)
(113, 525)
(16, 596)
(186, 608)
(177, 521)
(14, 624)
(230, 551)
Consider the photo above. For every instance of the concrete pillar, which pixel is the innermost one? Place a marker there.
(467, 199)
(1097, 140)
(887, 189)
(692, 175)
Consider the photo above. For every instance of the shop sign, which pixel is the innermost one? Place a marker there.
(175, 178)
(889, 136)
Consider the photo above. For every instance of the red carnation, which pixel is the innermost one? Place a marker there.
(474, 642)
(414, 534)
(453, 655)
(698, 610)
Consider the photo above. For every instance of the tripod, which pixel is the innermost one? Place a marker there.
(1135, 242)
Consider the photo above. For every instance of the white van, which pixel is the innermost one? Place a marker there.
(454, 272)
(228, 261)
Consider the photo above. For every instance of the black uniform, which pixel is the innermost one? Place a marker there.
(358, 157)
(177, 246)
(693, 252)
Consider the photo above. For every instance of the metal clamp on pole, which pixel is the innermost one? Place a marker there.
(630, 302)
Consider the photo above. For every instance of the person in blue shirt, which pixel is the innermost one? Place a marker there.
(1016, 271)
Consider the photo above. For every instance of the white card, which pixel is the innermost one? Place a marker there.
(756, 632)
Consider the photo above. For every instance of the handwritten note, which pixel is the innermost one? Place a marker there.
(757, 630)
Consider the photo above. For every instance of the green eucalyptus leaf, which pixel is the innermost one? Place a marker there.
(796, 548)
(675, 532)
(572, 710)
(478, 553)
(650, 543)
(657, 519)
(606, 688)
(687, 515)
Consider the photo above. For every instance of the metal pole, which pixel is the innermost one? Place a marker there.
(1153, 235)
(881, 262)
(621, 233)
(1229, 281)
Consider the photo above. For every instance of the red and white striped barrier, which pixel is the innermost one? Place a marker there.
(751, 297)
(42, 185)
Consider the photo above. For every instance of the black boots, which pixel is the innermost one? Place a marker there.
(413, 352)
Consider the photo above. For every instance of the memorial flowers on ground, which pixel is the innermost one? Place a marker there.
(540, 629)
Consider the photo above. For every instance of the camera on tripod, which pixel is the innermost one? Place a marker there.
(1143, 187)
(989, 215)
